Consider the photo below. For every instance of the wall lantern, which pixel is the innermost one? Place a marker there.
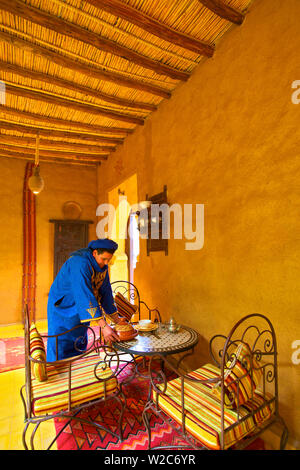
(141, 211)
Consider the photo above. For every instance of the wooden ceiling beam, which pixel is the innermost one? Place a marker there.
(77, 88)
(220, 8)
(64, 101)
(52, 133)
(53, 153)
(30, 142)
(19, 156)
(83, 68)
(153, 26)
(79, 126)
(74, 31)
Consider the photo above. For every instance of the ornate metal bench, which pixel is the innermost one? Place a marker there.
(61, 389)
(228, 403)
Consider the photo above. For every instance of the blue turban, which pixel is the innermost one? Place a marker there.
(103, 243)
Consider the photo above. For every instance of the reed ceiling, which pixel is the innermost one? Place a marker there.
(84, 74)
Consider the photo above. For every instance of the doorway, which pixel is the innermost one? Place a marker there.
(124, 230)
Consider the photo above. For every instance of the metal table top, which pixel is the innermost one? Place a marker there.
(161, 341)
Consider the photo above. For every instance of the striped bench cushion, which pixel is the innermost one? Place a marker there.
(203, 410)
(37, 351)
(125, 308)
(52, 396)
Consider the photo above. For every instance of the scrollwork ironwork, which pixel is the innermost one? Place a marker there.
(125, 288)
(268, 345)
(129, 290)
(269, 372)
(157, 377)
(110, 355)
(80, 340)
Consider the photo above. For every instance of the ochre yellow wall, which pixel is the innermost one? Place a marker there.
(62, 183)
(229, 139)
(11, 239)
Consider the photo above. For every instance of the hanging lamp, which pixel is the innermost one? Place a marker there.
(36, 182)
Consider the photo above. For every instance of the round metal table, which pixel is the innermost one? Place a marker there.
(160, 341)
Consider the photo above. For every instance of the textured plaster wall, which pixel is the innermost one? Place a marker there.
(62, 183)
(11, 240)
(229, 139)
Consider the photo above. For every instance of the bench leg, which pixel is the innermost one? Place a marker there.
(284, 437)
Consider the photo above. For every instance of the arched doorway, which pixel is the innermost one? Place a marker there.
(124, 230)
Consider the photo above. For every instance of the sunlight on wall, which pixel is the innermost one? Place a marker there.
(119, 270)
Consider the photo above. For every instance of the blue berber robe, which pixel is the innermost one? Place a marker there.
(78, 294)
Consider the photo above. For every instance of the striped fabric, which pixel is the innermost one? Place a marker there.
(52, 396)
(203, 410)
(238, 388)
(240, 378)
(245, 356)
(125, 308)
(37, 351)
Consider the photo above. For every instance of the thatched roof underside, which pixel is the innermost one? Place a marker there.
(82, 75)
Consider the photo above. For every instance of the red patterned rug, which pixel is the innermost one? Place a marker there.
(78, 436)
(11, 354)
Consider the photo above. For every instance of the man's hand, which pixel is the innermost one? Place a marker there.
(109, 335)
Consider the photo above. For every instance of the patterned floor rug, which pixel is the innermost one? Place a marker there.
(84, 437)
(11, 354)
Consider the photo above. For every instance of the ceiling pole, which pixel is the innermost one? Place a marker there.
(147, 23)
(81, 67)
(220, 8)
(65, 28)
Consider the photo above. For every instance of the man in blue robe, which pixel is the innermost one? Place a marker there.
(79, 294)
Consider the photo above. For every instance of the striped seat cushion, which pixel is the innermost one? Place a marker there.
(52, 396)
(203, 410)
(37, 351)
(125, 308)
